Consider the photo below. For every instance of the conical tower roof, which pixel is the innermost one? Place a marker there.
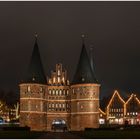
(35, 72)
(84, 72)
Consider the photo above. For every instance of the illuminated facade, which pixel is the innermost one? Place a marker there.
(58, 98)
(119, 111)
(132, 110)
(47, 104)
(115, 109)
(9, 113)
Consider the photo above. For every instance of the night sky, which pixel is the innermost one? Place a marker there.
(112, 28)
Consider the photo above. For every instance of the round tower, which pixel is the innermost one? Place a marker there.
(84, 95)
(32, 102)
(32, 94)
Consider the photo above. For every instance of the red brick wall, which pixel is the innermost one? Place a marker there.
(84, 106)
(33, 106)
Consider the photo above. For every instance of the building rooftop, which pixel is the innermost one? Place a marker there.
(35, 73)
(84, 72)
(58, 77)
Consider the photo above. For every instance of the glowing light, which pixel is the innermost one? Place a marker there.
(130, 98)
(102, 112)
(86, 99)
(63, 79)
(58, 79)
(85, 113)
(33, 99)
(38, 112)
(29, 88)
(115, 94)
(54, 80)
(101, 121)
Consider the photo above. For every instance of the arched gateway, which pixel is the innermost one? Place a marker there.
(59, 125)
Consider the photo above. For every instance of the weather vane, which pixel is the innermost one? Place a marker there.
(83, 37)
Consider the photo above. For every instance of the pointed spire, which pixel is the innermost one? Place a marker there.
(83, 39)
(35, 72)
(36, 37)
(84, 73)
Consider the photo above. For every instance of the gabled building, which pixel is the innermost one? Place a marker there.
(9, 113)
(58, 99)
(115, 109)
(132, 110)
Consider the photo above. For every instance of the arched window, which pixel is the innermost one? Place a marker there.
(53, 92)
(54, 80)
(41, 89)
(28, 88)
(56, 92)
(52, 105)
(58, 79)
(58, 72)
(67, 91)
(63, 105)
(60, 92)
(50, 91)
(63, 80)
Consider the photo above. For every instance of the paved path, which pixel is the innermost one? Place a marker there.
(59, 135)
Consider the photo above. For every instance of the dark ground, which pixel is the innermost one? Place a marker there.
(60, 135)
(37, 135)
(91, 134)
(102, 134)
